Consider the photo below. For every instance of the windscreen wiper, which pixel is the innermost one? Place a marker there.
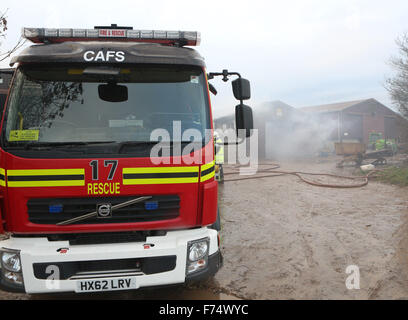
(61, 144)
(141, 143)
(124, 144)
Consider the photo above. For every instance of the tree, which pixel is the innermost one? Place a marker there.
(3, 24)
(3, 31)
(42, 102)
(397, 86)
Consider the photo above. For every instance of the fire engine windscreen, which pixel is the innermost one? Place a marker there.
(63, 104)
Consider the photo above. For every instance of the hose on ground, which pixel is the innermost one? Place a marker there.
(270, 171)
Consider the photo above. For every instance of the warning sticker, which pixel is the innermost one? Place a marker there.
(24, 135)
(194, 79)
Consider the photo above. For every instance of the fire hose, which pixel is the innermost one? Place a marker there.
(270, 171)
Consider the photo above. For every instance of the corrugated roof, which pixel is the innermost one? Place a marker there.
(333, 106)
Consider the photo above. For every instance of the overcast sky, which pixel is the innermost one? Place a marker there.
(301, 52)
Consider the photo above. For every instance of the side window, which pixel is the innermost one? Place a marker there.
(2, 102)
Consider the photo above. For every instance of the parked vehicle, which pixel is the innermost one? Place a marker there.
(97, 188)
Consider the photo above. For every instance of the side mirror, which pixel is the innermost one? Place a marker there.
(112, 92)
(244, 119)
(241, 89)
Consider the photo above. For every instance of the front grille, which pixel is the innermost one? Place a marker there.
(149, 265)
(39, 210)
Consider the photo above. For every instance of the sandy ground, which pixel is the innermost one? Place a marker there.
(284, 239)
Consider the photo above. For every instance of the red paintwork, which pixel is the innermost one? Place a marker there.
(3, 190)
(192, 211)
(210, 196)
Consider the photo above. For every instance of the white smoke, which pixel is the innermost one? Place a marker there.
(292, 133)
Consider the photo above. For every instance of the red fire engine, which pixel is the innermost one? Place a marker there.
(107, 162)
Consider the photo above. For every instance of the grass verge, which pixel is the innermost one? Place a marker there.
(394, 175)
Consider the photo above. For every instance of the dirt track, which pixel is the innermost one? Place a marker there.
(284, 239)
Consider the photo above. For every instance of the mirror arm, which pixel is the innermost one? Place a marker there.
(224, 75)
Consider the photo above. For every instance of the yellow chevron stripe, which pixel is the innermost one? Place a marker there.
(159, 169)
(207, 177)
(160, 181)
(3, 182)
(44, 172)
(207, 165)
(60, 183)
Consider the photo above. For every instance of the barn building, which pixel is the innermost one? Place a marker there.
(285, 131)
(279, 126)
(355, 120)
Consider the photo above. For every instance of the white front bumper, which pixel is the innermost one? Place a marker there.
(40, 250)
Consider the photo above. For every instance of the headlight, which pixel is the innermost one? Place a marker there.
(197, 255)
(16, 278)
(198, 250)
(11, 261)
(10, 267)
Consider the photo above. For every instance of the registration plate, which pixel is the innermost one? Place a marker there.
(107, 284)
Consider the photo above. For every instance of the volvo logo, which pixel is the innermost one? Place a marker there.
(104, 210)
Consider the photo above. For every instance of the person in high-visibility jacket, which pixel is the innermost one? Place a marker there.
(219, 158)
